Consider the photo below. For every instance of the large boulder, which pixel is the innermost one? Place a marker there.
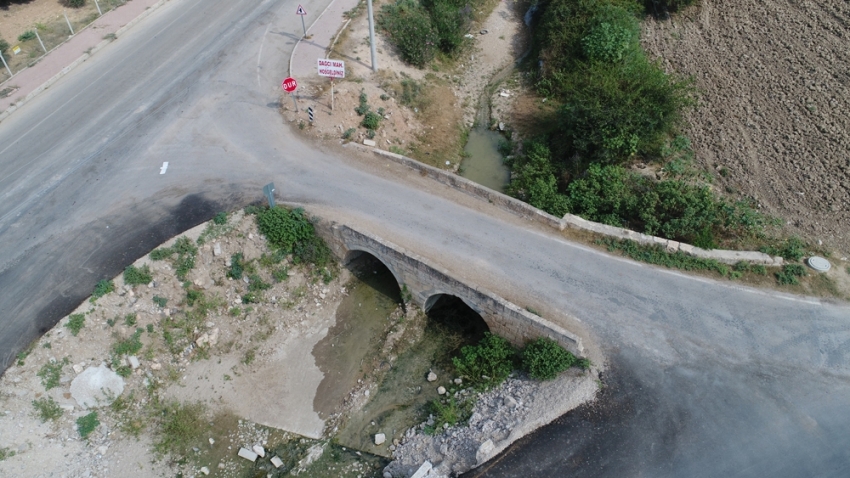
(97, 387)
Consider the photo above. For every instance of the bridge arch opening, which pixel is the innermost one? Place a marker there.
(452, 312)
(372, 271)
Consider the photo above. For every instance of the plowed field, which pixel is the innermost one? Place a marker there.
(774, 112)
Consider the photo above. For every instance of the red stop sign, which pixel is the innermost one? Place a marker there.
(289, 85)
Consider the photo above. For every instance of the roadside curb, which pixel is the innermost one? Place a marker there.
(527, 211)
(85, 56)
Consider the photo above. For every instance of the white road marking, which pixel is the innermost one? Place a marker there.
(260, 54)
(164, 167)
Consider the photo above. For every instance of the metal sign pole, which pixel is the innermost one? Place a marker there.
(39, 40)
(69, 23)
(6, 65)
(372, 36)
(294, 102)
(332, 94)
(98, 7)
(304, 27)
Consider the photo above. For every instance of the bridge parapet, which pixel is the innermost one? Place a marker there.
(427, 282)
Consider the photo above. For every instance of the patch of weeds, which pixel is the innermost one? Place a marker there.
(280, 274)
(327, 275)
(193, 296)
(791, 249)
(399, 151)
(533, 311)
(216, 228)
(363, 107)
(21, 358)
(102, 288)
(159, 301)
(130, 345)
(220, 218)
(47, 345)
(75, 323)
(237, 267)
(657, 255)
(270, 260)
(110, 322)
(349, 133)
(256, 283)
(251, 298)
(758, 269)
(5, 452)
(234, 311)
(137, 275)
(87, 424)
(249, 356)
(47, 409)
(181, 254)
(124, 371)
(449, 411)
(150, 328)
(130, 320)
(790, 273)
(544, 359)
(51, 372)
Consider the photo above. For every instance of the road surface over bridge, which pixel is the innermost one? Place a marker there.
(718, 380)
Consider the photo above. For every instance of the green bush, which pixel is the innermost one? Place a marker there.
(220, 218)
(535, 181)
(450, 411)
(408, 25)
(544, 359)
(371, 120)
(613, 35)
(284, 228)
(280, 274)
(488, 363)
(26, 36)
(348, 133)
(102, 288)
(87, 424)
(193, 296)
(130, 320)
(47, 409)
(159, 301)
(450, 21)
(75, 323)
(790, 273)
(137, 275)
(184, 261)
(256, 283)
(237, 267)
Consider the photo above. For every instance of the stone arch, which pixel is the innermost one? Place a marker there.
(477, 322)
(357, 253)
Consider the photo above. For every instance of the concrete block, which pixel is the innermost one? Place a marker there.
(259, 450)
(369, 142)
(277, 462)
(133, 362)
(672, 246)
(380, 438)
(247, 454)
(423, 470)
(217, 249)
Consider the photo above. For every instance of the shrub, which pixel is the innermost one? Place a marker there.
(137, 275)
(613, 35)
(102, 288)
(284, 228)
(159, 301)
(220, 218)
(130, 320)
(789, 274)
(281, 274)
(47, 409)
(363, 107)
(26, 36)
(450, 411)
(87, 424)
(450, 21)
(371, 120)
(74, 3)
(535, 181)
(193, 296)
(75, 323)
(256, 283)
(544, 359)
(185, 252)
(348, 133)
(488, 363)
(409, 28)
(236, 266)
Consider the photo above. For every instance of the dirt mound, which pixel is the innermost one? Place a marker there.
(774, 118)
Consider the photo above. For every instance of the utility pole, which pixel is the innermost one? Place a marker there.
(372, 35)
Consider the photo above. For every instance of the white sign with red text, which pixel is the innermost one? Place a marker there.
(331, 68)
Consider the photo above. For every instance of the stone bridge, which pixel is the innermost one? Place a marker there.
(427, 283)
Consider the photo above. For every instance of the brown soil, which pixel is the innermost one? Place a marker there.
(430, 126)
(774, 114)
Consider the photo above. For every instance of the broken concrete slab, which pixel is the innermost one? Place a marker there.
(247, 454)
(97, 387)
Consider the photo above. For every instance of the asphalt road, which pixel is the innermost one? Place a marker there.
(705, 379)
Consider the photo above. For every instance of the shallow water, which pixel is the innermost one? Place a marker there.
(484, 163)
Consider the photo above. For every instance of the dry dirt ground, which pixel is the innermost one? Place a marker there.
(774, 115)
(429, 127)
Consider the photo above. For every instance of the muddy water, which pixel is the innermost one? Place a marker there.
(360, 322)
(484, 163)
